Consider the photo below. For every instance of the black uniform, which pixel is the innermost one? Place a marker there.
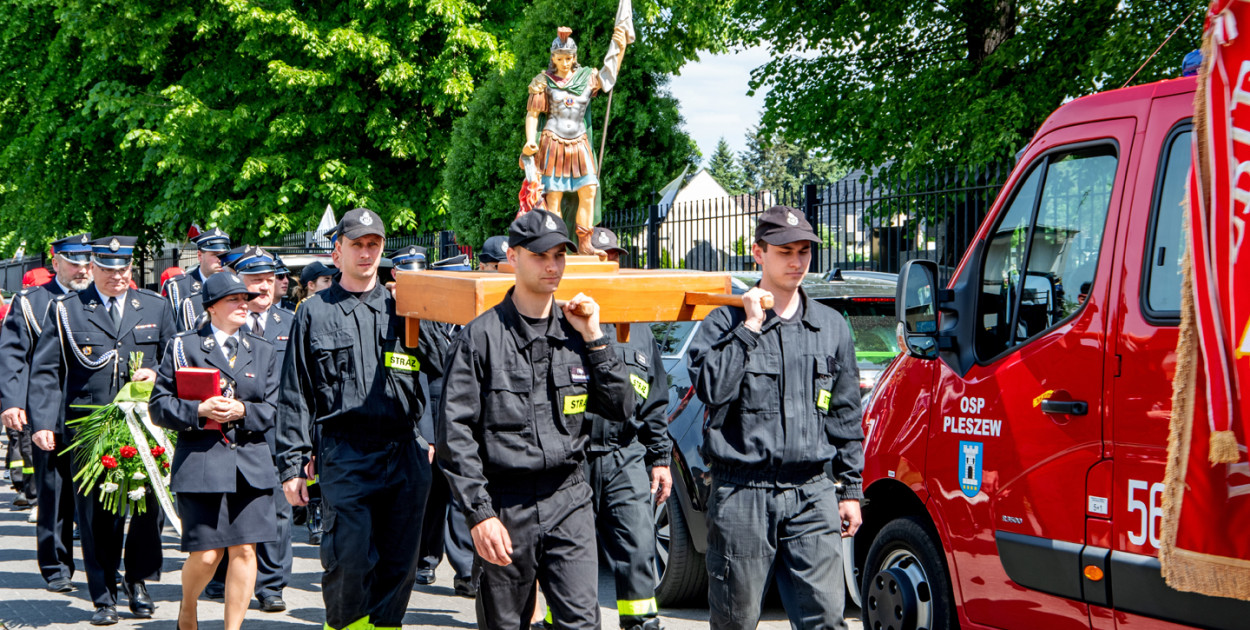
(782, 404)
(512, 439)
(179, 288)
(443, 529)
(55, 528)
(232, 466)
(73, 367)
(190, 312)
(618, 459)
(347, 370)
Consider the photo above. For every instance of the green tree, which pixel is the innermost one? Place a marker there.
(952, 82)
(724, 167)
(772, 163)
(645, 143)
(143, 116)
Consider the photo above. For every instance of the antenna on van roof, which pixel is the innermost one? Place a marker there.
(1165, 43)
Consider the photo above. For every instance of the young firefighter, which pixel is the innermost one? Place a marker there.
(782, 391)
(519, 382)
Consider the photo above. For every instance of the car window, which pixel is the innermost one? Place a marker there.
(1163, 267)
(671, 336)
(875, 339)
(1040, 263)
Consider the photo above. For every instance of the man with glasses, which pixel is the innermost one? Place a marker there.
(94, 342)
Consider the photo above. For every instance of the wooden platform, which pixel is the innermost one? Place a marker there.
(625, 296)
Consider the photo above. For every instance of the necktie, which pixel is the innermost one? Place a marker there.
(257, 328)
(115, 314)
(232, 349)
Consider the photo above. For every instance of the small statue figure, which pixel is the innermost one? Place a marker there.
(563, 156)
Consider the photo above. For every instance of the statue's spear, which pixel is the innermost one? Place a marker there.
(612, 67)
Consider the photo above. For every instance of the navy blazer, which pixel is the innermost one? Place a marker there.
(212, 461)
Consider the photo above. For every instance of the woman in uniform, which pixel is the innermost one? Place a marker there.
(223, 472)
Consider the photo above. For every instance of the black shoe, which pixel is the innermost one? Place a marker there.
(140, 603)
(77, 533)
(104, 616)
(272, 603)
(650, 624)
(464, 587)
(299, 514)
(60, 585)
(215, 591)
(425, 576)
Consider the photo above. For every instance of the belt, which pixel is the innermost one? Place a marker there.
(767, 478)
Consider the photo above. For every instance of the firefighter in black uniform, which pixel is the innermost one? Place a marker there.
(627, 465)
(782, 391)
(83, 357)
(210, 245)
(520, 380)
(25, 322)
(258, 270)
(349, 371)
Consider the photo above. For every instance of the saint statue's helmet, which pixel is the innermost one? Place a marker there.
(563, 43)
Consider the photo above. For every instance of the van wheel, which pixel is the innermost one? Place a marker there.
(906, 586)
(681, 569)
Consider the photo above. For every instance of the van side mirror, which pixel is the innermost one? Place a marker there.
(916, 308)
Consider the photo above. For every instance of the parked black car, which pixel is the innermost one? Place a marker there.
(866, 299)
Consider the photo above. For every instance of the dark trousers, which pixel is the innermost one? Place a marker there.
(792, 532)
(553, 541)
(623, 514)
(273, 559)
(54, 531)
(373, 497)
(444, 530)
(105, 537)
(21, 462)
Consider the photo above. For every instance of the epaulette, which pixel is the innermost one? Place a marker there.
(25, 292)
(150, 293)
(64, 296)
(301, 303)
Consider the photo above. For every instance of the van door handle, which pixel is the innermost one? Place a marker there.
(1065, 407)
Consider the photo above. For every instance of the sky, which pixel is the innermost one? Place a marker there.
(713, 97)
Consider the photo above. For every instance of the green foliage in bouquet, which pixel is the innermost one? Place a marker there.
(108, 459)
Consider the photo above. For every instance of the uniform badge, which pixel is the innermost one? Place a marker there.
(277, 317)
(223, 384)
(365, 219)
(195, 286)
(84, 239)
(216, 231)
(114, 245)
(209, 343)
(568, 102)
(86, 351)
(249, 375)
(134, 303)
(578, 374)
(641, 358)
(603, 238)
(245, 343)
(970, 458)
(791, 219)
(551, 225)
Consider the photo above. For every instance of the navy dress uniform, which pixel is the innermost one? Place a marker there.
(224, 479)
(189, 310)
(512, 437)
(22, 327)
(349, 372)
(618, 459)
(82, 359)
(178, 288)
(783, 404)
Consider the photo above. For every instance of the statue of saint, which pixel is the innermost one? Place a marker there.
(562, 156)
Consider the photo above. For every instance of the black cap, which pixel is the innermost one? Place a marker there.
(494, 250)
(360, 222)
(605, 239)
(782, 225)
(315, 270)
(213, 240)
(222, 284)
(538, 231)
(113, 252)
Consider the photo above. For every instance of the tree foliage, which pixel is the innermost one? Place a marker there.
(141, 116)
(772, 163)
(723, 166)
(645, 143)
(921, 82)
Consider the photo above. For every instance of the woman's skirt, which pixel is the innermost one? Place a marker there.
(216, 520)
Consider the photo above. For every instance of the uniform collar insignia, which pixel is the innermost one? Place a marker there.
(247, 345)
(209, 343)
(276, 318)
(134, 302)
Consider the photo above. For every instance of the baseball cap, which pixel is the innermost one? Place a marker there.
(315, 270)
(222, 284)
(782, 225)
(538, 231)
(605, 239)
(494, 250)
(360, 222)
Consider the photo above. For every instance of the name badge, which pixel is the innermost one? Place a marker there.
(822, 400)
(399, 361)
(578, 374)
(575, 404)
(640, 385)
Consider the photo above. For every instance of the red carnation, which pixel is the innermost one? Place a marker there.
(129, 451)
(165, 464)
(108, 462)
(157, 451)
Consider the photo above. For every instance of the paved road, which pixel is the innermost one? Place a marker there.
(25, 604)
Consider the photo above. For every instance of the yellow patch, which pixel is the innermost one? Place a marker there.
(405, 362)
(575, 404)
(822, 400)
(1045, 396)
(640, 385)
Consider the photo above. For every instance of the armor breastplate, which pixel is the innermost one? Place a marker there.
(566, 116)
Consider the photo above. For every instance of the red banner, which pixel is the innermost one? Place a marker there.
(1207, 500)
